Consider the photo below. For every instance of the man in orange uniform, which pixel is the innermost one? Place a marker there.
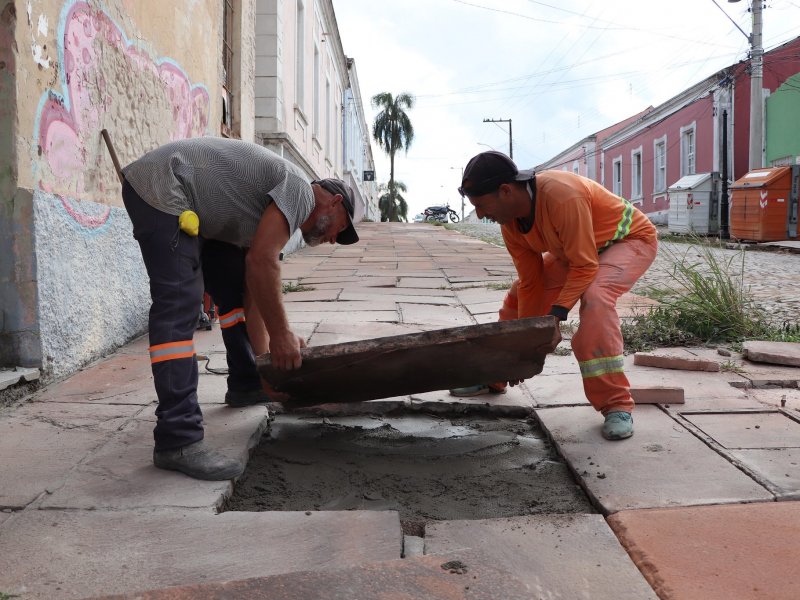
(570, 239)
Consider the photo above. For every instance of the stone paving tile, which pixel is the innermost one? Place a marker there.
(418, 578)
(115, 380)
(778, 397)
(357, 283)
(370, 304)
(354, 317)
(397, 291)
(557, 556)
(435, 316)
(481, 294)
(663, 464)
(312, 296)
(18, 375)
(41, 443)
(121, 474)
(746, 552)
(5, 514)
(682, 359)
(107, 552)
(483, 308)
(398, 297)
(766, 430)
(779, 467)
(778, 353)
(434, 282)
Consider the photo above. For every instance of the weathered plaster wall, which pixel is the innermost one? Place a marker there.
(149, 72)
(93, 288)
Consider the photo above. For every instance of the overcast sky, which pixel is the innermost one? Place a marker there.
(559, 69)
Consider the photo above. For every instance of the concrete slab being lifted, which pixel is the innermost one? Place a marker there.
(415, 363)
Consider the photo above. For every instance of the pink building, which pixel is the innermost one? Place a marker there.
(641, 157)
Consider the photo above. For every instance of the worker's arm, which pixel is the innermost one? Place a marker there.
(529, 266)
(572, 220)
(263, 280)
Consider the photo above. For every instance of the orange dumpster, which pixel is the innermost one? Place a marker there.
(763, 206)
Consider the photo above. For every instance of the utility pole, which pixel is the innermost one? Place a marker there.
(510, 137)
(756, 81)
(756, 93)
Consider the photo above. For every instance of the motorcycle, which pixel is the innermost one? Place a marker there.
(440, 214)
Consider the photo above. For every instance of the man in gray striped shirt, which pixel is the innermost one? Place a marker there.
(214, 214)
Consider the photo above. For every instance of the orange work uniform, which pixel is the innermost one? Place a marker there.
(585, 244)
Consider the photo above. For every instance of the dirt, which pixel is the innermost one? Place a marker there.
(426, 468)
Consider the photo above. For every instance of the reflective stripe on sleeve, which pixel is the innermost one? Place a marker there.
(231, 318)
(624, 226)
(601, 366)
(171, 351)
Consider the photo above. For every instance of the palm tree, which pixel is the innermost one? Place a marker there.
(393, 131)
(392, 204)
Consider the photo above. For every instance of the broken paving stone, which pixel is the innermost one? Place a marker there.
(456, 567)
(680, 358)
(658, 395)
(776, 353)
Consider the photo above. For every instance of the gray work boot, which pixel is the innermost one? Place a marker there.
(198, 461)
(618, 425)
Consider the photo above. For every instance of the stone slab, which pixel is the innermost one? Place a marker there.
(121, 475)
(311, 296)
(662, 465)
(674, 358)
(398, 297)
(765, 430)
(747, 552)
(412, 545)
(557, 556)
(106, 552)
(351, 282)
(9, 377)
(119, 379)
(780, 467)
(414, 363)
(395, 291)
(354, 318)
(777, 397)
(434, 316)
(777, 353)
(448, 577)
(40, 445)
(657, 395)
(422, 282)
(371, 303)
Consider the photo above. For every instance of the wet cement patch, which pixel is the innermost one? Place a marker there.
(426, 468)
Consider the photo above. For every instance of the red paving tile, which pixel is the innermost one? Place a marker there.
(739, 552)
(452, 577)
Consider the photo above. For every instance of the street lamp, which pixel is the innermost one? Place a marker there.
(510, 142)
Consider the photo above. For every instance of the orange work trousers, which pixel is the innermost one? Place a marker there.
(597, 343)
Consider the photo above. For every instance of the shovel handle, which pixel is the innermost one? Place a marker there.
(113, 154)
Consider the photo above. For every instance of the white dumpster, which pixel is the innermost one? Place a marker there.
(694, 204)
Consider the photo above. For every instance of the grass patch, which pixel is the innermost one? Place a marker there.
(290, 286)
(708, 303)
(4, 596)
(497, 285)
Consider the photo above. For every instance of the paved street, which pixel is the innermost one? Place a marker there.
(702, 503)
(773, 276)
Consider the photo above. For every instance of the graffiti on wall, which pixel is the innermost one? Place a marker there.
(107, 81)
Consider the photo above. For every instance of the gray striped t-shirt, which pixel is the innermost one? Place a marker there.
(228, 183)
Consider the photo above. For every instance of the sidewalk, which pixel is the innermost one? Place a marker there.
(701, 503)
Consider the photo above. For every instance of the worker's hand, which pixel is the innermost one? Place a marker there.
(284, 351)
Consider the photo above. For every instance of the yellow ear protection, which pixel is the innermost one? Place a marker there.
(189, 223)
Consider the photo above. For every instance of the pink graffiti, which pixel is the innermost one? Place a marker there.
(73, 161)
(88, 221)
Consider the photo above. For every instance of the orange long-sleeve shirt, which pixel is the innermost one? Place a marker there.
(575, 219)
